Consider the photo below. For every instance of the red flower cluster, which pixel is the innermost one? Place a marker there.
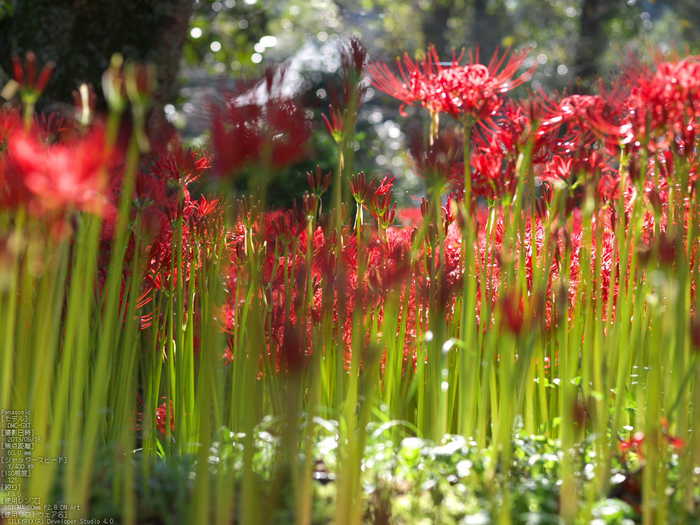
(472, 89)
(574, 144)
(259, 125)
(50, 170)
(63, 176)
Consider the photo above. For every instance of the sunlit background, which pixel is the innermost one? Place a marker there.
(573, 43)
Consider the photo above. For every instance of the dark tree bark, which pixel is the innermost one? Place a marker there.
(435, 27)
(485, 30)
(688, 11)
(592, 39)
(82, 35)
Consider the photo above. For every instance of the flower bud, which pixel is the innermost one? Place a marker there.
(512, 312)
(140, 83)
(425, 208)
(655, 200)
(29, 87)
(85, 100)
(695, 333)
(114, 85)
(667, 249)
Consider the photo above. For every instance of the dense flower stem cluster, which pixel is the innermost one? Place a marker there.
(552, 258)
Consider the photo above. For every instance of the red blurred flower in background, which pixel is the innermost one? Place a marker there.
(61, 176)
(259, 125)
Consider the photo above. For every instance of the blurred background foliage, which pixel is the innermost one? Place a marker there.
(573, 41)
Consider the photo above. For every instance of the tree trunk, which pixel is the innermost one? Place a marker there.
(485, 31)
(435, 27)
(591, 42)
(82, 35)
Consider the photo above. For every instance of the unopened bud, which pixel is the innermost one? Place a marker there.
(85, 100)
(512, 313)
(114, 85)
(667, 249)
(695, 332)
(655, 200)
(643, 252)
(425, 208)
(45, 77)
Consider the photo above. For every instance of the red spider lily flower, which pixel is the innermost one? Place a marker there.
(12, 191)
(9, 121)
(284, 225)
(573, 115)
(381, 204)
(416, 77)
(667, 95)
(494, 176)
(181, 167)
(634, 444)
(471, 90)
(536, 107)
(206, 221)
(608, 117)
(465, 90)
(271, 132)
(557, 169)
(507, 135)
(571, 108)
(674, 441)
(287, 130)
(49, 126)
(386, 187)
(161, 415)
(409, 217)
(234, 138)
(384, 213)
(63, 176)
